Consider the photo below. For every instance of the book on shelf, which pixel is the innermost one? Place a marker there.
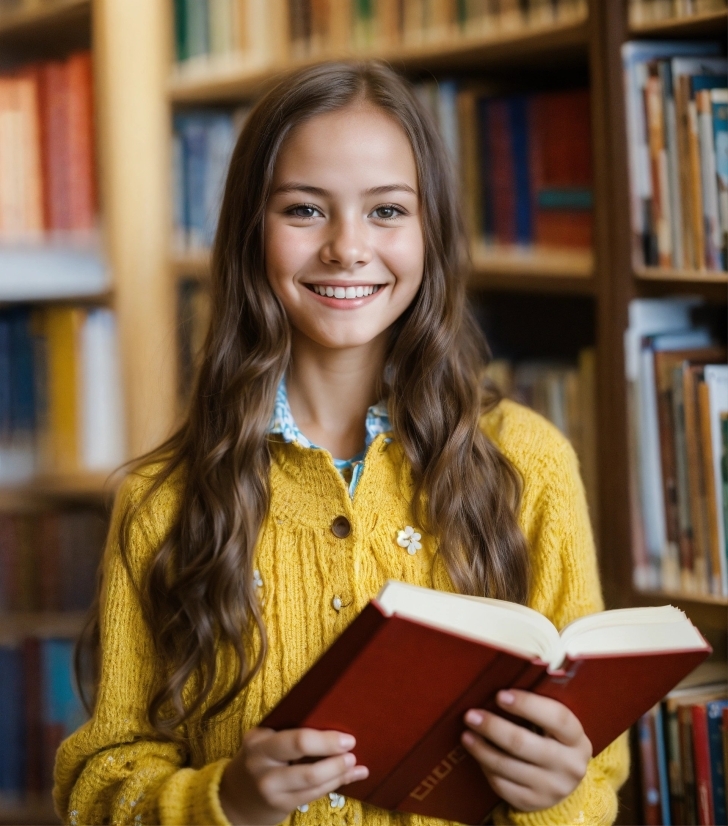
(48, 183)
(677, 120)
(259, 32)
(565, 394)
(470, 648)
(677, 394)
(49, 558)
(644, 12)
(40, 709)
(682, 756)
(60, 392)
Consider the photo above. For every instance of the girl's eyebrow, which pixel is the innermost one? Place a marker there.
(294, 186)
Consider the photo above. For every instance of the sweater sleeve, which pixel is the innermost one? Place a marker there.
(565, 586)
(114, 769)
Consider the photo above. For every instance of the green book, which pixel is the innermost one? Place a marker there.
(180, 29)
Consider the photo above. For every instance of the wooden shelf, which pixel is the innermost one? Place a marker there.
(697, 25)
(30, 14)
(73, 486)
(694, 276)
(39, 813)
(39, 29)
(208, 81)
(682, 596)
(510, 268)
(16, 625)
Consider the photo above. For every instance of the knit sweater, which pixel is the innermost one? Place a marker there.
(115, 770)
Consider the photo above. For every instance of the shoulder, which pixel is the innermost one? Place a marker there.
(150, 506)
(534, 446)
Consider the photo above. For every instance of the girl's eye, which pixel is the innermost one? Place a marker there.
(304, 211)
(388, 212)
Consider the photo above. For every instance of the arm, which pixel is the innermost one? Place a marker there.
(566, 586)
(115, 768)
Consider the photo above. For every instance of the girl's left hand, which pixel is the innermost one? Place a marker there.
(528, 770)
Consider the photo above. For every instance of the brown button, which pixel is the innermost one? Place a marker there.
(341, 527)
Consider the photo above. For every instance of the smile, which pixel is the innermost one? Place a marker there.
(343, 292)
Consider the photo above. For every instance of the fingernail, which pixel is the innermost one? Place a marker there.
(349, 759)
(506, 698)
(346, 741)
(475, 718)
(468, 738)
(360, 772)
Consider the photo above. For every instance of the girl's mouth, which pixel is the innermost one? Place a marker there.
(350, 292)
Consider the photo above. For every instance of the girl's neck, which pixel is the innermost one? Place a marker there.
(329, 392)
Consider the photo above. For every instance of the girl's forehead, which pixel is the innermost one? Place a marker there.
(357, 141)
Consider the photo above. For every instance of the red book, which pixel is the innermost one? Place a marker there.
(403, 674)
(54, 132)
(701, 756)
(502, 172)
(82, 192)
(649, 774)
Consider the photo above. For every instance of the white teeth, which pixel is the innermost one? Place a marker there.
(345, 292)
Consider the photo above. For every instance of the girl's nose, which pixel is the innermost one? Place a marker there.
(347, 245)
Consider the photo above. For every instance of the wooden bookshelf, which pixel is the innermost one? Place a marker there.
(29, 813)
(36, 15)
(688, 276)
(16, 625)
(81, 486)
(695, 25)
(204, 82)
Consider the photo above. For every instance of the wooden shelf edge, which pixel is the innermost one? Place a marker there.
(19, 624)
(688, 24)
(682, 596)
(31, 812)
(32, 14)
(92, 485)
(694, 276)
(230, 78)
(541, 265)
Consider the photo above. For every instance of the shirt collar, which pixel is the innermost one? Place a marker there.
(282, 422)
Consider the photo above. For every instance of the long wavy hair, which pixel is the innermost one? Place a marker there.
(198, 592)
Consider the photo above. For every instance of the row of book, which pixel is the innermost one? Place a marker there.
(60, 391)
(40, 708)
(642, 12)
(677, 128)
(49, 558)
(252, 29)
(565, 394)
(48, 176)
(525, 179)
(683, 754)
(677, 396)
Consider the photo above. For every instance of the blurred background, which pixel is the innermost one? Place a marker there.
(590, 140)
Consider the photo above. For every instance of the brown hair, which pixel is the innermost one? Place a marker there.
(199, 592)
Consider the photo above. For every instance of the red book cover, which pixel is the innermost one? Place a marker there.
(402, 688)
(82, 192)
(701, 756)
(502, 173)
(55, 148)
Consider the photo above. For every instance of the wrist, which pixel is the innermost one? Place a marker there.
(230, 800)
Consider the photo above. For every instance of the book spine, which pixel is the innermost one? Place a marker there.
(662, 773)
(709, 180)
(717, 558)
(715, 711)
(686, 749)
(719, 103)
(675, 774)
(651, 811)
(701, 756)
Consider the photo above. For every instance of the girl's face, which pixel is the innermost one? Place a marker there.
(343, 239)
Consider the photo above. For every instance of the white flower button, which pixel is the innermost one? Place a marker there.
(336, 603)
(409, 539)
(337, 800)
(303, 807)
(257, 579)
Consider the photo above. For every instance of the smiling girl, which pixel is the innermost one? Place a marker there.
(338, 403)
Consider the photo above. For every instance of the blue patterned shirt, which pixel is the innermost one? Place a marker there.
(376, 422)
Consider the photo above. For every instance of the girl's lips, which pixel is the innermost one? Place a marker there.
(344, 303)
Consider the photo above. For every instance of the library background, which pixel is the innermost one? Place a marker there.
(591, 142)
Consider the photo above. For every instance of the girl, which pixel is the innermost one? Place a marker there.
(240, 549)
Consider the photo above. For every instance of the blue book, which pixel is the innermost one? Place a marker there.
(484, 161)
(22, 378)
(5, 378)
(662, 765)
(12, 725)
(717, 768)
(518, 110)
(719, 106)
(61, 706)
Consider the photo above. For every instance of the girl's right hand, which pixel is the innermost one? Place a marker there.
(264, 783)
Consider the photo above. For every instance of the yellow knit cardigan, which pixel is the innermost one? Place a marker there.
(113, 769)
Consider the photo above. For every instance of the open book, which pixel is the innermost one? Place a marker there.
(403, 674)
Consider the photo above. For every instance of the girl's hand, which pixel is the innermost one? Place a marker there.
(260, 787)
(528, 770)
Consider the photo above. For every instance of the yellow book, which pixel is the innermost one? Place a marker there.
(62, 328)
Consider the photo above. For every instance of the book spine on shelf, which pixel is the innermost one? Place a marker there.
(719, 105)
(675, 771)
(715, 710)
(701, 756)
(686, 749)
(649, 774)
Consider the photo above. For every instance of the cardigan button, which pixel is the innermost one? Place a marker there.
(341, 527)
